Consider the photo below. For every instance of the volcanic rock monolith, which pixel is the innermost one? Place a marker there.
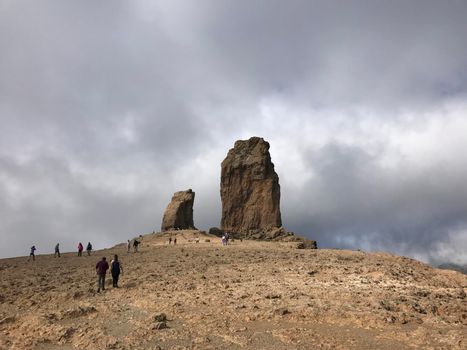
(179, 212)
(250, 191)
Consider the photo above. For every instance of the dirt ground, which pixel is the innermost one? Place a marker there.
(247, 295)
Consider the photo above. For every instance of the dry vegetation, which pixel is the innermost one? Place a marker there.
(248, 295)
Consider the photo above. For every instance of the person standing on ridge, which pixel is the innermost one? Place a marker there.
(128, 247)
(80, 249)
(101, 269)
(33, 249)
(115, 268)
(89, 248)
(57, 250)
(135, 245)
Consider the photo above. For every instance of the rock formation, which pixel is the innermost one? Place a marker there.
(179, 212)
(216, 231)
(250, 191)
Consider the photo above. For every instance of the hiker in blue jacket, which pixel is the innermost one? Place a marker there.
(115, 269)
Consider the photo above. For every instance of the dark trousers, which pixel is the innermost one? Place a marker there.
(100, 282)
(115, 277)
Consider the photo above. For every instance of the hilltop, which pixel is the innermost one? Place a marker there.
(248, 295)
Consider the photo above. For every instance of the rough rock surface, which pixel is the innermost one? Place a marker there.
(179, 212)
(279, 234)
(216, 232)
(250, 190)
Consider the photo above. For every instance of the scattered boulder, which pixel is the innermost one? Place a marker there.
(281, 311)
(160, 321)
(8, 319)
(307, 244)
(250, 191)
(67, 334)
(216, 231)
(160, 325)
(160, 317)
(276, 232)
(179, 212)
(79, 311)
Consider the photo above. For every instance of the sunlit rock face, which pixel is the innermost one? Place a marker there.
(250, 191)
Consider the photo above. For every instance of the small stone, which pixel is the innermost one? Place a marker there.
(307, 244)
(462, 294)
(9, 319)
(67, 334)
(273, 296)
(160, 317)
(281, 311)
(160, 325)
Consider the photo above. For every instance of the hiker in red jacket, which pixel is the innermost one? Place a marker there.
(80, 249)
(101, 269)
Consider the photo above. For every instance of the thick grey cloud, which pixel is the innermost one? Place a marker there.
(107, 108)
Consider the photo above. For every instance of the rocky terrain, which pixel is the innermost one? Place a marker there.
(455, 267)
(247, 295)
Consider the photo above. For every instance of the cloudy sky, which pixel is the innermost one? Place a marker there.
(108, 107)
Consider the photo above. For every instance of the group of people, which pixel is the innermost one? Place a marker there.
(136, 243)
(101, 270)
(32, 254)
(225, 238)
(115, 266)
(102, 266)
(88, 249)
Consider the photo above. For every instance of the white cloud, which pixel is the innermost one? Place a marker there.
(108, 108)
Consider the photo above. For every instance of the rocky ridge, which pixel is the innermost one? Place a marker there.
(247, 295)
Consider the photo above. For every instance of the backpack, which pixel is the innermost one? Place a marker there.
(116, 267)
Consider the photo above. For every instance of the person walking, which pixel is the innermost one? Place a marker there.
(170, 240)
(89, 248)
(57, 250)
(128, 247)
(175, 240)
(115, 268)
(101, 269)
(135, 245)
(32, 253)
(80, 249)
